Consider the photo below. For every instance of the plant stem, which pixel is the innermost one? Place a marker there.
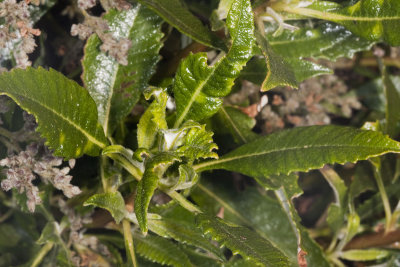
(133, 170)
(183, 201)
(385, 199)
(129, 241)
(42, 253)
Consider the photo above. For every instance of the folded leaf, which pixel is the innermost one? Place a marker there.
(65, 112)
(302, 149)
(178, 16)
(153, 119)
(198, 87)
(113, 202)
(160, 250)
(114, 87)
(154, 169)
(243, 241)
(371, 19)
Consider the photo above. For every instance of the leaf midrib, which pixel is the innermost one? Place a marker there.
(306, 147)
(233, 125)
(90, 137)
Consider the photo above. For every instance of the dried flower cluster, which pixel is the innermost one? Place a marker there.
(312, 104)
(117, 48)
(77, 234)
(23, 168)
(17, 34)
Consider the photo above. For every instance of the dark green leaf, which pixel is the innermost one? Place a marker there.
(9, 236)
(65, 112)
(302, 149)
(114, 87)
(113, 202)
(243, 241)
(392, 105)
(154, 169)
(178, 16)
(198, 87)
(160, 250)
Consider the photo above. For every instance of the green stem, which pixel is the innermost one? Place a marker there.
(42, 253)
(129, 241)
(385, 199)
(133, 170)
(183, 201)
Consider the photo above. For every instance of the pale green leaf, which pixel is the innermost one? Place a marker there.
(230, 120)
(160, 250)
(112, 201)
(173, 12)
(371, 19)
(65, 112)
(153, 119)
(243, 241)
(184, 233)
(303, 149)
(326, 40)
(364, 255)
(114, 87)
(154, 169)
(199, 87)
(50, 233)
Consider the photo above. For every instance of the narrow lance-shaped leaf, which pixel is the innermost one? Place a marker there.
(371, 19)
(198, 87)
(65, 112)
(116, 88)
(112, 201)
(392, 105)
(243, 241)
(173, 12)
(302, 149)
(154, 169)
(160, 250)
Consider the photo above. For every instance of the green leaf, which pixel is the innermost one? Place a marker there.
(364, 255)
(160, 250)
(326, 40)
(184, 233)
(65, 112)
(279, 72)
(114, 87)
(303, 149)
(112, 201)
(392, 105)
(9, 236)
(198, 143)
(199, 87)
(230, 120)
(154, 169)
(153, 119)
(371, 19)
(50, 233)
(177, 15)
(243, 241)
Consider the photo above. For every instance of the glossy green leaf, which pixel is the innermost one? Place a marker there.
(114, 87)
(184, 233)
(303, 149)
(198, 87)
(371, 19)
(153, 119)
(173, 12)
(392, 105)
(364, 255)
(230, 120)
(160, 250)
(65, 112)
(113, 202)
(326, 40)
(154, 169)
(279, 72)
(243, 241)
